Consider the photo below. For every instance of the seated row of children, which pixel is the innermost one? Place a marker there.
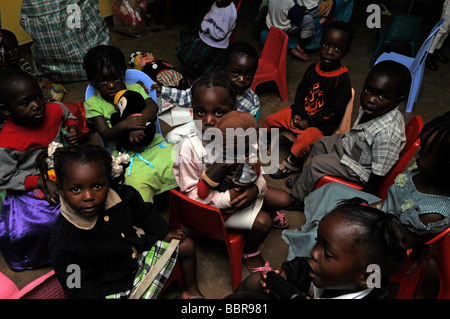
(89, 198)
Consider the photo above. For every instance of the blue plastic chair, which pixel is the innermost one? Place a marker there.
(404, 29)
(415, 65)
(132, 76)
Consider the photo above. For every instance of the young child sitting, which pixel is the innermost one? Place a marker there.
(108, 231)
(320, 100)
(240, 64)
(30, 207)
(12, 57)
(341, 265)
(367, 152)
(203, 51)
(420, 197)
(150, 171)
(212, 99)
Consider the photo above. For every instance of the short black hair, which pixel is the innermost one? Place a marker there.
(342, 26)
(103, 56)
(394, 70)
(9, 77)
(242, 48)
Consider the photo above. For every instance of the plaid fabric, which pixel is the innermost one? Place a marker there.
(59, 44)
(146, 261)
(246, 102)
(374, 146)
(197, 54)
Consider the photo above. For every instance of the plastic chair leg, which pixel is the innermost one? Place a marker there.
(235, 249)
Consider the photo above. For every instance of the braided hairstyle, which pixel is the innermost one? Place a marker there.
(435, 139)
(103, 56)
(84, 153)
(379, 235)
(211, 80)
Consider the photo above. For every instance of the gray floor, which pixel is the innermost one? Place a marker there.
(213, 267)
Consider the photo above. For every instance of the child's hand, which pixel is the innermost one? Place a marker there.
(243, 196)
(134, 122)
(175, 234)
(295, 121)
(262, 282)
(136, 136)
(72, 136)
(52, 192)
(157, 87)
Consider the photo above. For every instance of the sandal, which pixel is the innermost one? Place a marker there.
(280, 221)
(266, 266)
(284, 170)
(300, 54)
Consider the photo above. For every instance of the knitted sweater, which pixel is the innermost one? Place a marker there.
(106, 249)
(15, 141)
(217, 26)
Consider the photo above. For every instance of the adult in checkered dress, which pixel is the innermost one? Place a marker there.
(62, 36)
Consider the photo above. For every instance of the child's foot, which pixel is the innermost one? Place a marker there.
(279, 220)
(193, 293)
(299, 53)
(255, 262)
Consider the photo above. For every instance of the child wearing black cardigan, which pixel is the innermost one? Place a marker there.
(106, 232)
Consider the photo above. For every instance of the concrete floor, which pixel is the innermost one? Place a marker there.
(213, 267)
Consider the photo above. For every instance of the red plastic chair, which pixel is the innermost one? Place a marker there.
(412, 131)
(272, 63)
(207, 221)
(410, 276)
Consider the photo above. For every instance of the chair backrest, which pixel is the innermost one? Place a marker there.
(45, 287)
(131, 76)
(204, 219)
(412, 131)
(404, 28)
(423, 51)
(274, 48)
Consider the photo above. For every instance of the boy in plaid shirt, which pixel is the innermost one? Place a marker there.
(367, 152)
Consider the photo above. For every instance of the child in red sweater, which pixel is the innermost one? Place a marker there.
(29, 209)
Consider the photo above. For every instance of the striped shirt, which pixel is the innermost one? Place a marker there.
(374, 146)
(246, 102)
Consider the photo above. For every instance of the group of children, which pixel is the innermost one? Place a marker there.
(78, 204)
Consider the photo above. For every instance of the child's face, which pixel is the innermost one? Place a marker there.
(333, 47)
(379, 95)
(240, 70)
(425, 156)
(109, 82)
(85, 187)
(335, 255)
(210, 105)
(12, 51)
(26, 103)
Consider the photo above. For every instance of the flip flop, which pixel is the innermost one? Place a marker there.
(280, 221)
(300, 54)
(266, 266)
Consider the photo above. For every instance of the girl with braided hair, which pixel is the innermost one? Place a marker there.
(420, 197)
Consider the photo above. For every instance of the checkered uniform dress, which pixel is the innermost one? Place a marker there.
(60, 43)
